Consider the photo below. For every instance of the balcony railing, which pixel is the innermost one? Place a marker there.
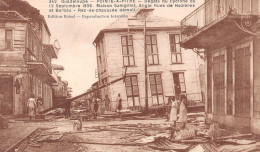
(214, 10)
(41, 58)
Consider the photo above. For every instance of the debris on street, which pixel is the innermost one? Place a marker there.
(163, 143)
(184, 134)
(153, 136)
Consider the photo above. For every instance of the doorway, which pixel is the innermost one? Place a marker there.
(242, 82)
(6, 95)
(179, 83)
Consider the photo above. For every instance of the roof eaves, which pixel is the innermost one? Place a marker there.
(20, 16)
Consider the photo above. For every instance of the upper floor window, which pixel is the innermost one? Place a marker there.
(128, 50)
(176, 55)
(152, 51)
(8, 39)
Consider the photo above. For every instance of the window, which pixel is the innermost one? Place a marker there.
(128, 50)
(8, 39)
(156, 88)
(152, 51)
(175, 48)
(156, 84)
(132, 91)
(179, 83)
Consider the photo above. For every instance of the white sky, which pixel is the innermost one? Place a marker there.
(77, 53)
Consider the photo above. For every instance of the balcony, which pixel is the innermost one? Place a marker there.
(219, 22)
(39, 64)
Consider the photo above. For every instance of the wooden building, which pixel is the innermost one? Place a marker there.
(25, 57)
(228, 31)
(171, 70)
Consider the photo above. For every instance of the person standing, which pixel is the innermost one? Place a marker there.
(183, 110)
(168, 108)
(31, 106)
(39, 104)
(95, 108)
(107, 103)
(67, 109)
(174, 110)
(119, 103)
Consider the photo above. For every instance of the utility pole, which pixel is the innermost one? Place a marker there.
(143, 14)
(145, 67)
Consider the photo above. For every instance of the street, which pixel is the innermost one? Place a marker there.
(93, 133)
(126, 134)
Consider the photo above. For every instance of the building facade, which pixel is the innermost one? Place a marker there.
(25, 57)
(171, 70)
(60, 91)
(228, 30)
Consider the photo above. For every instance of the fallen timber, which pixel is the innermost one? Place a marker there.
(82, 95)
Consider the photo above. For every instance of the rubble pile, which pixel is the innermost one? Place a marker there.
(209, 138)
(198, 136)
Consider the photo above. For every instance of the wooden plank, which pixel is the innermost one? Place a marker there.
(235, 136)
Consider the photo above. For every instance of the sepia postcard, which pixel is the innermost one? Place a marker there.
(129, 75)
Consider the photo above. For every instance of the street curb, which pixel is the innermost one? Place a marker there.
(13, 147)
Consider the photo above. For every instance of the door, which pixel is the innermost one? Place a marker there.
(219, 83)
(179, 83)
(242, 82)
(6, 95)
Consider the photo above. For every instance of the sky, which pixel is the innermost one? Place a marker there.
(77, 54)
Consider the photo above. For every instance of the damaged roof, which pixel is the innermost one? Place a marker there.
(11, 15)
(26, 10)
(153, 22)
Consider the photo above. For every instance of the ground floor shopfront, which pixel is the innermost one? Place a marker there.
(17, 86)
(233, 84)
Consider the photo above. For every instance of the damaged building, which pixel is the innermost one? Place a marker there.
(171, 70)
(25, 57)
(228, 31)
(61, 91)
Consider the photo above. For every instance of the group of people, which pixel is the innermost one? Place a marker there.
(107, 104)
(96, 105)
(175, 103)
(34, 106)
